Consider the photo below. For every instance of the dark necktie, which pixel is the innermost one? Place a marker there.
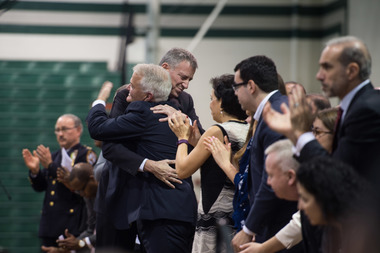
(336, 127)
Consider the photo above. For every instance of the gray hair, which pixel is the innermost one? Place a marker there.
(155, 79)
(354, 51)
(76, 119)
(283, 149)
(177, 55)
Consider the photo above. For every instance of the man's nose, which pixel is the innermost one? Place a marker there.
(319, 75)
(185, 84)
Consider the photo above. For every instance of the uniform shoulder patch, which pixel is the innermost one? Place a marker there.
(91, 157)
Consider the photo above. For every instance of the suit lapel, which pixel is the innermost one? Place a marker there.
(355, 101)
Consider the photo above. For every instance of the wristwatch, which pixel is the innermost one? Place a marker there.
(81, 243)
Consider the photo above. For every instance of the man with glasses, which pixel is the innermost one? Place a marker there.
(61, 208)
(256, 83)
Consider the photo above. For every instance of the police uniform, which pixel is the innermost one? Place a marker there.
(61, 208)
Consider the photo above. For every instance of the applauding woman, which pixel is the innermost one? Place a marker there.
(216, 189)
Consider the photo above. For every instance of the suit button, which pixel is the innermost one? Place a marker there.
(52, 193)
(51, 203)
(71, 210)
(53, 182)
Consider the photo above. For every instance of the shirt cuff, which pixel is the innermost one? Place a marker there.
(302, 141)
(33, 175)
(98, 101)
(141, 168)
(88, 243)
(247, 231)
(291, 234)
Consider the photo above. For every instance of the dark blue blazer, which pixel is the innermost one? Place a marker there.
(358, 139)
(268, 214)
(143, 196)
(130, 161)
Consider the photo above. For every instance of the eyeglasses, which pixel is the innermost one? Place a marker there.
(235, 86)
(318, 132)
(63, 129)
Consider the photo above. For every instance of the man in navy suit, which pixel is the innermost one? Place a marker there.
(255, 84)
(165, 216)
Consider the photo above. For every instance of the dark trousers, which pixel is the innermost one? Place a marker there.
(167, 236)
(110, 238)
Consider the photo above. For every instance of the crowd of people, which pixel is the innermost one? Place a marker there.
(280, 171)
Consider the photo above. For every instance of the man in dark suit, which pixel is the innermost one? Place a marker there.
(255, 84)
(345, 67)
(62, 208)
(165, 216)
(111, 231)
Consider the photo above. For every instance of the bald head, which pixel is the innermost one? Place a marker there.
(82, 171)
(82, 180)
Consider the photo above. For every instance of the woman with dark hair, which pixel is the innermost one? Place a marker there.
(216, 189)
(329, 192)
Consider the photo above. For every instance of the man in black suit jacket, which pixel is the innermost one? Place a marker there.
(181, 66)
(165, 216)
(255, 84)
(345, 67)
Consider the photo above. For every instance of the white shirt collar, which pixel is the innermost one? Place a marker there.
(260, 108)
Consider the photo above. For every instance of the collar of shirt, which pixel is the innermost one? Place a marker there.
(260, 108)
(346, 101)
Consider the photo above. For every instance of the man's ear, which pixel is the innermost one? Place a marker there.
(292, 177)
(251, 86)
(352, 70)
(165, 65)
(149, 97)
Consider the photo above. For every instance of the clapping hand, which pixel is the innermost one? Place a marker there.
(31, 161)
(221, 152)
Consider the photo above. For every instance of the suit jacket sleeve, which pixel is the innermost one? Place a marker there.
(310, 150)
(122, 157)
(39, 182)
(119, 154)
(114, 131)
(123, 128)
